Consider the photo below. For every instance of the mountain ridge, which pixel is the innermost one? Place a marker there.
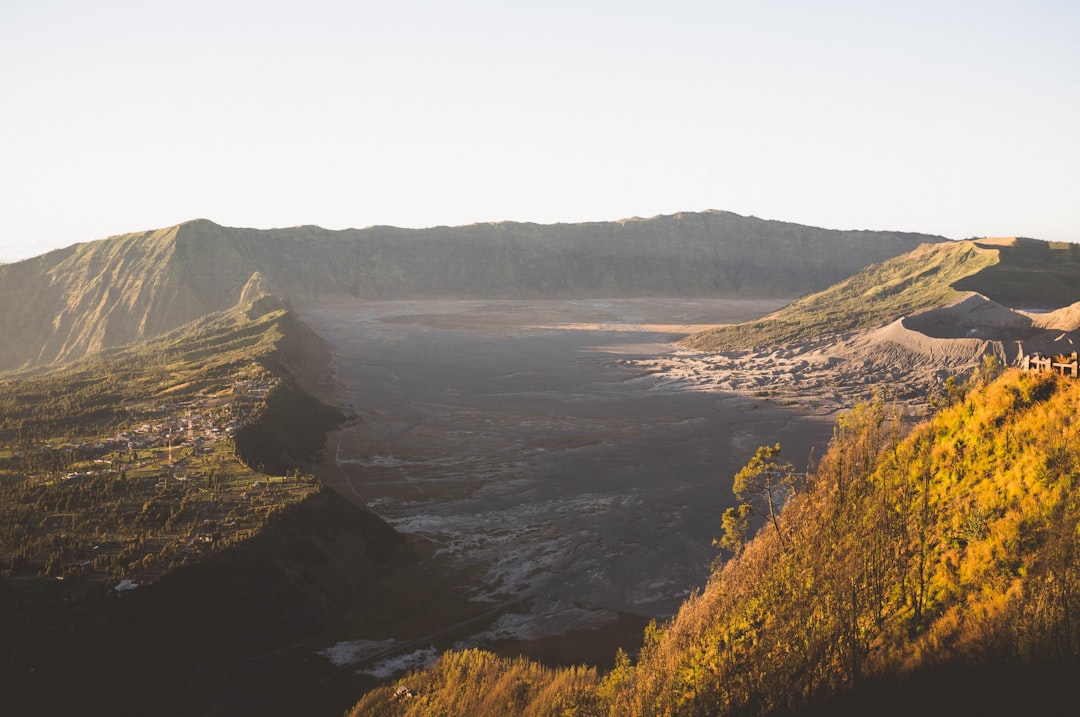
(129, 287)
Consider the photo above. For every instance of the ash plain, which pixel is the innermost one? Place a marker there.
(532, 449)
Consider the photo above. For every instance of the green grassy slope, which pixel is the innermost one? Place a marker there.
(91, 296)
(1019, 273)
(875, 296)
(927, 573)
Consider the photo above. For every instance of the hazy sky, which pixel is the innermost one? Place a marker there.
(954, 118)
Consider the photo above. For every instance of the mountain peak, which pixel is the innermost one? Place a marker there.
(200, 223)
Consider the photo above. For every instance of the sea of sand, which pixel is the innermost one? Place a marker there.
(534, 447)
(566, 462)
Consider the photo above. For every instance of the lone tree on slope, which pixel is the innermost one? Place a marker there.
(765, 480)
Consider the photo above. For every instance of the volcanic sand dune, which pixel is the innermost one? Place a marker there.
(973, 316)
(906, 360)
(1066, 318)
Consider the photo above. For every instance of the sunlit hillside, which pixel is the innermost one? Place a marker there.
(1018, 273)
(913, 572)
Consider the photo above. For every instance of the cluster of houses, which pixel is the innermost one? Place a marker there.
(195, 425)
(182, 426)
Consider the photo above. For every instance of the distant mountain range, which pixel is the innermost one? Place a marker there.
(115, 291)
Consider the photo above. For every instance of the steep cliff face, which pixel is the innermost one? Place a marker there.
(291, 428)
(92, 296)
(688, 254)
(115, 291)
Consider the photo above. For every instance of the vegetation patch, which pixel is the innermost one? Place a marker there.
(123, 467)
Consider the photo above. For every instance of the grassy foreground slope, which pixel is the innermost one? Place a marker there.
(1022, 273)
(935, 572)
(91, 296)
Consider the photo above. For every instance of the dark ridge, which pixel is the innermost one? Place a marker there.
(225, 634)
(205, 639)
(1003, 690)
(288, 434)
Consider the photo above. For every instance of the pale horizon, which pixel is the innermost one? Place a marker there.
(956, 119)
